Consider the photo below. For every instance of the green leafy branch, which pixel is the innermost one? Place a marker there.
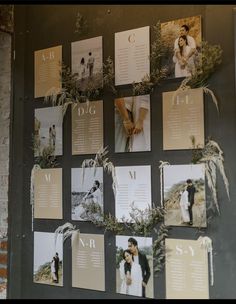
(142, 222)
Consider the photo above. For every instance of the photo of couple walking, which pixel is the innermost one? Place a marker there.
(86, 62)
(134, 261)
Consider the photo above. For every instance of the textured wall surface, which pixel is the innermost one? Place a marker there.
(5, 82)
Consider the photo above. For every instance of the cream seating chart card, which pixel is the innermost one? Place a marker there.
(48, 130)
(48, 258)
(134, 264)
(133, 189)
(132, 50)
(87, 62)
(186, 270)
(47, 71)
(87, 128)
(88, 268)
(184, 195)
(132, 124)
(86, 193)
(183, 118)
(48, 194)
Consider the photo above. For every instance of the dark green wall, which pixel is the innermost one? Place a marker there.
(42, 26)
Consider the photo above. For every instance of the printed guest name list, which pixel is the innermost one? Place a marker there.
(48, 193)
(87, 128)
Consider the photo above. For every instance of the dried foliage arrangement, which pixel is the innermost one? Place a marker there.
(162, 164)
(35, 168)
(207, 61)
(212, 156)
(67, 230)
(101, 160)
(141, 222)
(158, 72)
(109, 222)
(81, 25)
(184, 87)
(72, 91)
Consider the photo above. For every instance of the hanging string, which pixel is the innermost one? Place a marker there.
(206, 242)
(34, 169)
(161, 179)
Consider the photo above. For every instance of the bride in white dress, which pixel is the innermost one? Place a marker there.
(131, 275)
(184, 205)
(184, 66)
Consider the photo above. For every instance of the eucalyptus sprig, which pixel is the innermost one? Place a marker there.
(108, 222)
(144, 87)
(142, 222)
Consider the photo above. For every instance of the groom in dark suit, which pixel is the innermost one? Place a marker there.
(140, 259)
(57, 260)
(191, 192)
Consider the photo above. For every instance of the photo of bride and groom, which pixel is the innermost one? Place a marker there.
(181, 41)
(48, 258)
(184, 195)
(134, 264)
